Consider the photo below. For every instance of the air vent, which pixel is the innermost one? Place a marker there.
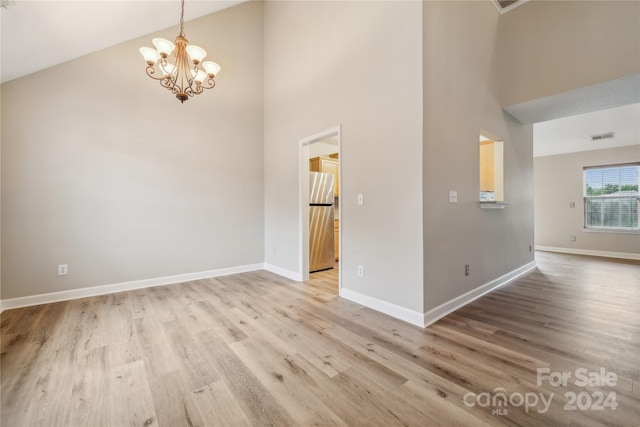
(507, 5)
(6, 3)
(608, 135)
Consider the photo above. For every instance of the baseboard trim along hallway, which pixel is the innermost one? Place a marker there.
(425, 319)
(396, 311)
(293, 275)
(120, 287)
(401, 313)
(448, 307)
(605, 254)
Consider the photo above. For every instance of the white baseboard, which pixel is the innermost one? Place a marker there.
(606, 254)
(293, 275)
(121, 287)
(410, 316)
(448, 307)
(396, 311)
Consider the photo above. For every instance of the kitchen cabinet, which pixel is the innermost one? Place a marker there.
(487, 166)
(336, 240)
(326, 165)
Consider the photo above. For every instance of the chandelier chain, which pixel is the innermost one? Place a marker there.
(182, 18)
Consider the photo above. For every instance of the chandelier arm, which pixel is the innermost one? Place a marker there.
(189, 90)
(208, 83)
(167, 83)
(194, 72)
(151, 70)
(168, 74)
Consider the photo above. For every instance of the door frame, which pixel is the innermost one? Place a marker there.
(303, 263)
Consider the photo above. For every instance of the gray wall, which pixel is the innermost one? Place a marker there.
(104, 170)
(460, 99)
(0, 196)
(559, 181)
(550, 47)
(358, 65)
(109, 181)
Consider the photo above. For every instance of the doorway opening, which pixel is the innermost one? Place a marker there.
(320, 154)
(586, 170)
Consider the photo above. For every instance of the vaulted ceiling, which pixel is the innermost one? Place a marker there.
(39, 34)
(36, 35)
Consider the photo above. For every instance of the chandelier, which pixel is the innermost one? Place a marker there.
(186, 75)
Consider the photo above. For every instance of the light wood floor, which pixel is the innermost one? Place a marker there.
(257, 349)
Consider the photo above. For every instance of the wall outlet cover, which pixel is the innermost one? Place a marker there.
(63, 269)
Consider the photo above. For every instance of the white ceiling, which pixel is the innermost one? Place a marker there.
(572, 134)
(40, 34)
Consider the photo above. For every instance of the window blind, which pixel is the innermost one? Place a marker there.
(611, 196)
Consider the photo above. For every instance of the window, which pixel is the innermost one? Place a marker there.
(491, 169)
(611, 197)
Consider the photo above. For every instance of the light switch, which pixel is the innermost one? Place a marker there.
(360, 199)
(453, 196)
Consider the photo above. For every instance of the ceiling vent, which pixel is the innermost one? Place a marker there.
(608, 135)
(6, 3)
(507, 5)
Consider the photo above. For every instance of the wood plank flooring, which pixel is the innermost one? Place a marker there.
(255, 349)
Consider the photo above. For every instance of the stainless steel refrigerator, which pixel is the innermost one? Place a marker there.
(321, 233)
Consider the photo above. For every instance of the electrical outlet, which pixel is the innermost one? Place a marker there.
(453, 196)
(572, 238)
(63, 269)
(572, 204)
(360, 271)
(466, 269)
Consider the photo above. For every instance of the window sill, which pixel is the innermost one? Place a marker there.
(610, 231)
(494, 205)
